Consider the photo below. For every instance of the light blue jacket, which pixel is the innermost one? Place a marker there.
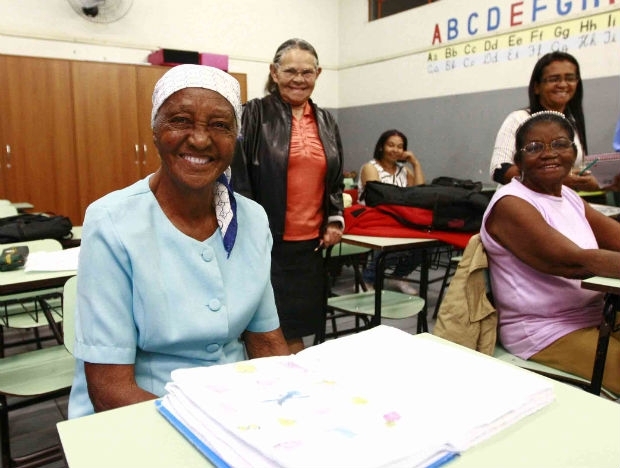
(151, 296)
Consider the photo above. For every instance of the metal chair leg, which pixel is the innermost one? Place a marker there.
(605, 330)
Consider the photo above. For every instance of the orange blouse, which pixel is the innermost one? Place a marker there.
(307, 169)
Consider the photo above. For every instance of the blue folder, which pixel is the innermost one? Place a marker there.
(189, 435)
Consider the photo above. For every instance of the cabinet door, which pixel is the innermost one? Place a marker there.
(38, 158)
(3, 138)
(107, 140)
(242, 78)
(147, 76)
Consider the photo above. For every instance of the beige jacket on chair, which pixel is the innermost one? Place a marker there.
(466, 316)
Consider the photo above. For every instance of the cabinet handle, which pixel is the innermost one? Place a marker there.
(8, 156)
(144, 148)
(137, 160)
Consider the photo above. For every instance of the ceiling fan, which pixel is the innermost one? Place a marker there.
(101, 11)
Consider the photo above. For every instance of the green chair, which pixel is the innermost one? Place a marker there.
(32, 377)
(360, 305)
(445, 282)
(503, 355)
(350, 255)
(592, 385)
(24, 311)
(456, 326)
(68, 307)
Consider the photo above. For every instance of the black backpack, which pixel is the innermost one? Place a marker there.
(28, 226)
(454, 208)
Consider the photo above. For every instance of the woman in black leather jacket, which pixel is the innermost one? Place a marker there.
(292, 156)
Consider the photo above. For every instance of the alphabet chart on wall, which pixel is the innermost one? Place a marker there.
(565, 36)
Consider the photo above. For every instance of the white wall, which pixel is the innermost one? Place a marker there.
(364, 62)
(248, 31)
(376, 74)
(387, 60)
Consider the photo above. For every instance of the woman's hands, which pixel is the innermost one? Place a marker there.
(113, 385)
(409, 157)
(332, 235)
(417, 177)
(582, 183)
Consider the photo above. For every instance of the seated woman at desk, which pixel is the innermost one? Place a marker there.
(555, 84)
(541, 239)
(393, 164)
(162, 261)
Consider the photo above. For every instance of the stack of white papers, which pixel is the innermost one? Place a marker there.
(58, 260)
(380, 398)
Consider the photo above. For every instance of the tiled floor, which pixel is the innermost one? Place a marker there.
(35, 426)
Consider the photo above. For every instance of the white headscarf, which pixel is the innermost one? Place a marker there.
(197, 76)
(202, 76)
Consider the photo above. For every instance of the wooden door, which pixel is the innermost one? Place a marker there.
(38, 156)
(3, 137)
(147, 76)
(107, 138)
(242, 78)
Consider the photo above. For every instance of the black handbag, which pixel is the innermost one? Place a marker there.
(454, 182)
(28, 226)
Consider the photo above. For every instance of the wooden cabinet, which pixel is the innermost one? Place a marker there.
(37, 158)
(113, 142)
(73, 131)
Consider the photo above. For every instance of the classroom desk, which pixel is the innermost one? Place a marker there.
(578, 429)
(18, 281)
(611, 287)
(22, 207)
(385, 245)
(607, 210)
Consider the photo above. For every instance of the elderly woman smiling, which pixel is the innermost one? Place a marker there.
(162, 260)
(541, 238)
(293, 161)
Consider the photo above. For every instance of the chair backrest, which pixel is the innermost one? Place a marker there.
(40, 245)
(7, 210)
(69, 299)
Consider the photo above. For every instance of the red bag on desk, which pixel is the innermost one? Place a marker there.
(371, 221)
(27, 226)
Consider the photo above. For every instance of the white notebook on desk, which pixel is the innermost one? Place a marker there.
(58, 260)
(606, 166)
(380, 398)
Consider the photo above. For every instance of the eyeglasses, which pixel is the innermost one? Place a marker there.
(534, 148)
(555, 79)
(290, 73)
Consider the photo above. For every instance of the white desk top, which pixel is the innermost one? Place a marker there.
(19, 281)
(603, 284)
(77, 232)
(22, 206)
(607, 210)
(578, 429)
(388, 243)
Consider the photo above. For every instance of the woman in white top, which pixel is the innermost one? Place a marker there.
(393, 164)
(555, 84)
(389, 163)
